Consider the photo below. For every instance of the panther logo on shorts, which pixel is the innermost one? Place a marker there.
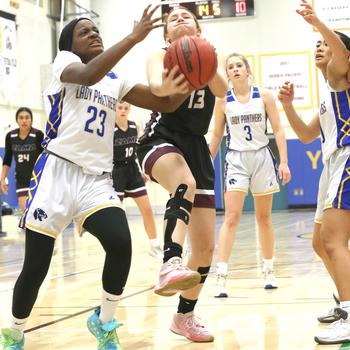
(39, 214)
(232, 181)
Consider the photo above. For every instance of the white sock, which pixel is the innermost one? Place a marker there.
(345, 305)
(109, 304)
(268, 264)
(221, 268)
(19, 323)
(154, 242)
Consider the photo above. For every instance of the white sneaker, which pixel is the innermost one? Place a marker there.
(220, 286)
(337, 332)
(270, 280)
(330, 316)
(156, 252)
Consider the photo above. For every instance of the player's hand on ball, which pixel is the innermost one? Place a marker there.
(174, 83)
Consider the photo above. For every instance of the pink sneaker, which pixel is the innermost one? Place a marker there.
(190, 326)
(174, 277)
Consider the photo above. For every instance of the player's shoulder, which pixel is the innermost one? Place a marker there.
(263, 92)
(36, 132)
(132, 124)
(156, 54)
(13, 133)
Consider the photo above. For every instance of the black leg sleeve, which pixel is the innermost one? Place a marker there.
(111, 228)
(38, 254)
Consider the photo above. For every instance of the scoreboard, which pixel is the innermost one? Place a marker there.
(212, 9)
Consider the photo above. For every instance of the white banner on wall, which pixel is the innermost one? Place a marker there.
(275, 69)
(8, 57)
(335, 13)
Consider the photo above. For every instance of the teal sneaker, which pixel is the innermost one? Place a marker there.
(105, 334)
(11, 339)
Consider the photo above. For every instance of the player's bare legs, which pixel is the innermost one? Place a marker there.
(234, 201)
(22, 203)
(263, 208)
(172, 172)
(149, 223)
(201, 230)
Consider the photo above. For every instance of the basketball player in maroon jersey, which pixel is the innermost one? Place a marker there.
(173, 151)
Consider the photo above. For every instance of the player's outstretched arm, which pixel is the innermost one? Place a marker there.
(339, 63)
(218, 85)
(305, 132)
(93, 71)
(141, 96)
(219, 128)
(278, 130)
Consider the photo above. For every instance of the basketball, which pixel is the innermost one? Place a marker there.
(196, 58)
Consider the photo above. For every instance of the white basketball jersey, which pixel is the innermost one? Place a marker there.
(334, 119)
(246, 123)
(81, 120)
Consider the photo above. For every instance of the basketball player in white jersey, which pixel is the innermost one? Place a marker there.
(72, 178)
(249, 163)
(332, 122)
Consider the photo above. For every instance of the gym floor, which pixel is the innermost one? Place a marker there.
(251, 318)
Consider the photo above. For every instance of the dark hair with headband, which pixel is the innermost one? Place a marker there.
(66, 38)
(24, 109)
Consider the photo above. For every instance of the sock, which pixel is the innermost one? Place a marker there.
(154, 242)
(186, 305)
(109, 304)
(221, 268)
(268, 264)
(171, 249)
(345, 305)
(19, 324)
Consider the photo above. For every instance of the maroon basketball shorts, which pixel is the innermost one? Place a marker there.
(195, 151)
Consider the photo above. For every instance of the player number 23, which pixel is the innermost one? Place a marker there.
(100, 130)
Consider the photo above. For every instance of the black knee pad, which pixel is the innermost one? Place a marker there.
(177, 208)
(203, 271)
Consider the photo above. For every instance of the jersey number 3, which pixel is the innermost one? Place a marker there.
(95, 113)
(249, 136)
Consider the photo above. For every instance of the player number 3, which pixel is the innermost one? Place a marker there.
(249, 136)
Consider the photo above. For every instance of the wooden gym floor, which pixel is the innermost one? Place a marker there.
(250, 319)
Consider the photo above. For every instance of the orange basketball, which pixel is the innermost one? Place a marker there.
(196, 58)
